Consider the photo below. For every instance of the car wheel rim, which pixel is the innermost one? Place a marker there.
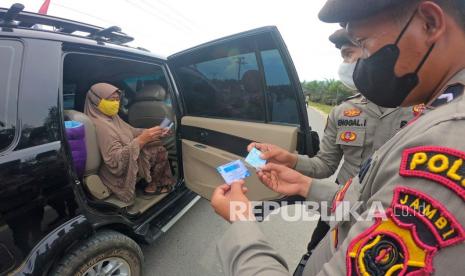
(113, 266)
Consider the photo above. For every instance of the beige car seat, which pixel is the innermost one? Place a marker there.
(92, 181)
(149, 108)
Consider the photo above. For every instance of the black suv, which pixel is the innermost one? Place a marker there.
(221, 95)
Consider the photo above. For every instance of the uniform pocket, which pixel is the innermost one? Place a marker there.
(351, 137)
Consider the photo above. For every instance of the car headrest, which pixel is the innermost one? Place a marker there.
(152, 92)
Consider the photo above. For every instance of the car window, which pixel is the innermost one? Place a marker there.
(223, 83)
(134, 85)
(282, 102)
(10, 59)
(69, 96)
(244, 78)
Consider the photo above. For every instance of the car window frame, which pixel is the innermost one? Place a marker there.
(16, 138)
(285, 57)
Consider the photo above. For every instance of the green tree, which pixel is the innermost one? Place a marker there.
(328, 91)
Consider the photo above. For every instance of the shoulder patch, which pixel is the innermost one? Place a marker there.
(353, 112)
(389, 248)
(416, 228)
(441, 223)
(440, 164)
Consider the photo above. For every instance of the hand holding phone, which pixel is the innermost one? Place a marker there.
(165, 123)
(167, 127)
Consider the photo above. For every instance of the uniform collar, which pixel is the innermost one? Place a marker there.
(377, 110)
(452, 90)
(360, 99)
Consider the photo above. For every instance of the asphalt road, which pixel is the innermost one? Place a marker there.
(189, 246)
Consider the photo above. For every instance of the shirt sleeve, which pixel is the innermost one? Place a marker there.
(327, 160)
(244, 250)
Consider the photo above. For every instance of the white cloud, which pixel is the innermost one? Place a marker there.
(169, 26)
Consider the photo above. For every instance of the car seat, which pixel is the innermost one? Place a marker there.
(92, 181)
(149, 108)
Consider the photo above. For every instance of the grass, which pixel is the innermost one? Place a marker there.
(323, 107)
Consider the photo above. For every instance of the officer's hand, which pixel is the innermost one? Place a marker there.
(231, 203)
(284, 180)
(275, 154)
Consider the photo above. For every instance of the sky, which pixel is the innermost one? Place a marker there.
(169, 26)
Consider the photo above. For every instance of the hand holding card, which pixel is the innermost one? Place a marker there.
(233, 171)
(254, 160)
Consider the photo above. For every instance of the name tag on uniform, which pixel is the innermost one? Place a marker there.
(233, 171)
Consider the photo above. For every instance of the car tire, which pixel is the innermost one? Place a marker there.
(106, 250)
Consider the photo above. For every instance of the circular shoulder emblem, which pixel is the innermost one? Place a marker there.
(348, 136)
(352, 112)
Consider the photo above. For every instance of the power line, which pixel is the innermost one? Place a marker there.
(158, 16)
(84, 13)
(173, 10)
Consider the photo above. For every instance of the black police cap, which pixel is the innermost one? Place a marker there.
(335, 11)
(340, 38)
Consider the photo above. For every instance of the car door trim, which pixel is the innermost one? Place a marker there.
(236, 145)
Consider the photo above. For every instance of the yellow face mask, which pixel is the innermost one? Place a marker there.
(109, 108)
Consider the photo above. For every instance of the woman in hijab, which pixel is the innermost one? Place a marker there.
(127, 152)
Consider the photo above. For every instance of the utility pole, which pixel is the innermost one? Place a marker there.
(240, 61)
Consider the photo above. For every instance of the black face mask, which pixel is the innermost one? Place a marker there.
(374, 77)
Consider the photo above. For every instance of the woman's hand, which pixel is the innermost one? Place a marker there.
(284, 180)
(149, 135)
(275, 154)
(166, 132)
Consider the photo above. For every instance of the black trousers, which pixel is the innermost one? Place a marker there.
(319, 233)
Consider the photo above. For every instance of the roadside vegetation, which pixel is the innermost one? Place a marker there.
(328, 92)
(322, 107)
(324, 95)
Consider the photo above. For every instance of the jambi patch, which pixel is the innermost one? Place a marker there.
(417, 227)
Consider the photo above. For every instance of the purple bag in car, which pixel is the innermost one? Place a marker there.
(76, 135)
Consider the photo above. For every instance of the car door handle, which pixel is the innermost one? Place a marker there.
(200, 146)
(203, 134)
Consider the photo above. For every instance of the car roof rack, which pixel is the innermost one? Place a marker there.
(15, 17)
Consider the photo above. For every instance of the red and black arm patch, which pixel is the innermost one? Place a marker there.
(439, 164)
(340, 195)
(338, 198)
(411, 205)
(416, 228)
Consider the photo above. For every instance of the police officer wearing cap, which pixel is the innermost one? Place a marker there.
(412, 195)
(354, 130)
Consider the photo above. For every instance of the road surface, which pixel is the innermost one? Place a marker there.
(189, 247)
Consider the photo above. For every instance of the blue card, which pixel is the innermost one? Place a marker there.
(233, 171)
(254, 160)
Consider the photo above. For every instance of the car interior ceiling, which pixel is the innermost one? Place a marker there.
(81, 71)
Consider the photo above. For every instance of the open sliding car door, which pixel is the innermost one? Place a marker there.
(234, 91)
